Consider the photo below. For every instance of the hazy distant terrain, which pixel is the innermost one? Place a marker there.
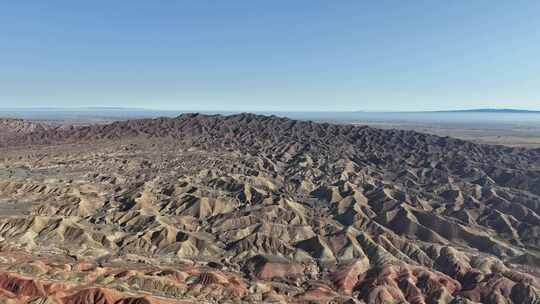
(492, 126)
(512, 128)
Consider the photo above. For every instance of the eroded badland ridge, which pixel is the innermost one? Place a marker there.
(249, 208)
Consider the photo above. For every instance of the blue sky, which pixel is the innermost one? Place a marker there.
(270, 55)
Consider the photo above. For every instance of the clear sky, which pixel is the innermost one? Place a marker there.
(291, 55)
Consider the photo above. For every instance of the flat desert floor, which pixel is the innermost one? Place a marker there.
(514, 136)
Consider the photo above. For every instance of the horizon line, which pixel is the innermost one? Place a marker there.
(118, 108)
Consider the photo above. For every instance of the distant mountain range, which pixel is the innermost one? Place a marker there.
(127, 109)
(488, 110)
(85, 114)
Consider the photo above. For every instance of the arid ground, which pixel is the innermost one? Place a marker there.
(508, 135)
(261, 209)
